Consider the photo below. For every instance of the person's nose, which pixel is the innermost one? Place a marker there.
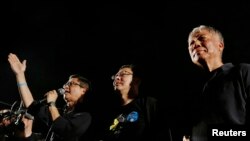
(118, 77)
(65, 87)
(197, 44)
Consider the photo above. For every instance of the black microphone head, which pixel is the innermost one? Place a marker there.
(61, 91)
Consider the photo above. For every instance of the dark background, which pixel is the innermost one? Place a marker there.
(59, 38)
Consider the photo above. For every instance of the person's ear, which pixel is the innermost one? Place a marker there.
(84, 90)
(221, 46)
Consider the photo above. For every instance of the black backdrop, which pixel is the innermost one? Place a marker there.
(59, 38)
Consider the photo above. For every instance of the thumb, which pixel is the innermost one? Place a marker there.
(24, 62)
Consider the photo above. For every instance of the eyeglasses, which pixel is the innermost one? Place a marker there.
(71, 84)
(121, 74)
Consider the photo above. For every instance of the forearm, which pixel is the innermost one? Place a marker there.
(27, 133)
(24, 90)
(53, 111)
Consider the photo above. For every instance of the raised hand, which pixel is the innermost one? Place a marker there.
(19, 69)
(15, 64)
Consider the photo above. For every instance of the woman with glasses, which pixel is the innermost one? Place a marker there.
(67, 125)
(135, 119)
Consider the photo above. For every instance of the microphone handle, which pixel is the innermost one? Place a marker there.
(43, 100)
(59, 91)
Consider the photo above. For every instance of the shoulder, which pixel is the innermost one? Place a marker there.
(86, 115)
(147, 102)
(151, 100)
(243, 68)
(147, 99)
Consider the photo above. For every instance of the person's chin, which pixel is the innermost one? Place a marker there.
(116, 87)
(199, 57)
(69, 104)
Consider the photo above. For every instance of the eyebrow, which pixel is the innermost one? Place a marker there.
(125, 71)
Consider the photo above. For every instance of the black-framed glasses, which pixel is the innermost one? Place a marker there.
(71, 84)
(121, 74)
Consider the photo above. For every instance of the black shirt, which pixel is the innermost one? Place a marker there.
(69, 127)
(224, 100)
(135, 121)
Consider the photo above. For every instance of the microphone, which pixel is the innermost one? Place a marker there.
(60, 91)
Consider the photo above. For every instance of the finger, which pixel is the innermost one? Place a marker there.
(10, 58)
(24, 62)
(54, 91)
(15, 58)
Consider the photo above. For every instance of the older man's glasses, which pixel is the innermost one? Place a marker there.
(71, 84)
(121, 74)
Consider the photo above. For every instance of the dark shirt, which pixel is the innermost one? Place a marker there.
(224, 101)
(135, 121)
(68, 127)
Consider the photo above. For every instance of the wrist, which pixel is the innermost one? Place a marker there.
(51, 104)
(27, 134)
(20, 84)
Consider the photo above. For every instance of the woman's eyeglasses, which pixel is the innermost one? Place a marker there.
(121, 74)
(71, 84)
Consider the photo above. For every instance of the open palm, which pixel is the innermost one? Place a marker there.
(15, 64)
